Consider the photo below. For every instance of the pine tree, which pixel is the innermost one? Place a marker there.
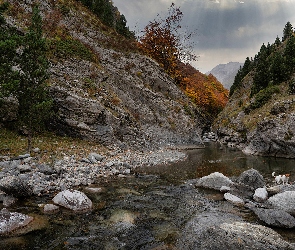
(290, 55)
(9, 41)
(288, 31)
(32, 92)
(278, 69)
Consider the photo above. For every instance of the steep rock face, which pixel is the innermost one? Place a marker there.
(121, 97)
(268, 130)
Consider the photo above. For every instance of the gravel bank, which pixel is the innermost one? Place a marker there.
(71, 171)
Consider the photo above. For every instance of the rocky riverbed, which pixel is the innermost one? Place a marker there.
(137, 210)
(23, 175)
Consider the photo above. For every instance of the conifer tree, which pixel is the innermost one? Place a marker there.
(32, 92)
(290, 55)
(288, 31)
(9, 41)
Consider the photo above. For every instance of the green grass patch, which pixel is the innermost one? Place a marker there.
(51, 146)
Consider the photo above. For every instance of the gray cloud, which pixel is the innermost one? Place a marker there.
(227, 30)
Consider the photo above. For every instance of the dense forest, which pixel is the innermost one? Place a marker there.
(271, 66)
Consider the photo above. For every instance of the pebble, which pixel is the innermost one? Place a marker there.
(71, 171)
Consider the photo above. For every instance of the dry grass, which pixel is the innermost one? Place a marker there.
(52, 147)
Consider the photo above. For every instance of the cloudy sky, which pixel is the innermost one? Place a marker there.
(227, 30)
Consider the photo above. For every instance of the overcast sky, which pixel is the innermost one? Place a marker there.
(227, 30)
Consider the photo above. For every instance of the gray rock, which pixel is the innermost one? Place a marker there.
(50, 209)
(8, 201)
(280, 188)
(273, 217)
(74, 200)
(252, 178)
(284, 201)
(216, 231)
(94, 157)
(225, 189)
(260, 195)
(215, 181)
(45, 169)
(24, 168)
(13, 185)
(234, 199)
(11, 221)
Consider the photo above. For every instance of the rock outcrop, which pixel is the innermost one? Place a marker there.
(226, 231)
(114, 95)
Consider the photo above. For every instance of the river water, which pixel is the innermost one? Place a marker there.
(147, 210)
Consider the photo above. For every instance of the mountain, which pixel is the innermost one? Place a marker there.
(260, 115)
(225, 73)
(104, 89)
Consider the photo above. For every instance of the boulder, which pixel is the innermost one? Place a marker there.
(217, 230)
(280, 189)
(11, 221)
(252, 178)
(50, 209)
(74, 200)
(215, 181)
(260, 195)
(276, 218)
(284, 201)
(15, 186)
(234, 199)
(94, 157)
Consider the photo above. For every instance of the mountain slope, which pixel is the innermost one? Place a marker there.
(104, 89)
(260, 115)
(225, 73)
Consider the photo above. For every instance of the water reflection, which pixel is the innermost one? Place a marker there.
(214, 158)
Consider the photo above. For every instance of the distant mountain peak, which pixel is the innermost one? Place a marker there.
(225, 73)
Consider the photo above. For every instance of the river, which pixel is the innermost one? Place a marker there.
(148, 209)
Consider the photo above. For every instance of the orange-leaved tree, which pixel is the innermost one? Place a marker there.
(163, 41)
(206, 91)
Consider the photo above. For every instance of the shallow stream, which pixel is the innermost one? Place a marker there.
(148, 209)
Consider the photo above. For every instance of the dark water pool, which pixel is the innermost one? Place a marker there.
(146, 210)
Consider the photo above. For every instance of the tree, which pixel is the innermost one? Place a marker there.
(289, 54)
(288, 31)
(9, 41)
(32, 92)
(161, 40)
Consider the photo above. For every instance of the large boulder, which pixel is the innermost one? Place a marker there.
(276, 218)
(11, 221)
(215, 181)
(216, 230)
(252, 178)
(284, 201)
(74, 200)
(15, 186)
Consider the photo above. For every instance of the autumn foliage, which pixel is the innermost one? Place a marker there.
(161, 41)
(206, 91)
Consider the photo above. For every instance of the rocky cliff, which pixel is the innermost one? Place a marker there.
(104, 89)
(268, 130)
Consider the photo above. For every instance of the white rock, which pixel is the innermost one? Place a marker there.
(215, 181)
(234, 199)
(260, 195)
(73, 199)
(12, 221)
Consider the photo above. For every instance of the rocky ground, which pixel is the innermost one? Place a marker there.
(23, 175)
